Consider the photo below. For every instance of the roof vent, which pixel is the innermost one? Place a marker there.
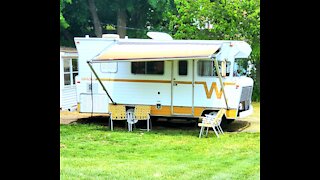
(159, 36)
(111, 36)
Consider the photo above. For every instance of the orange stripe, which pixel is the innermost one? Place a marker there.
(130, 80)
(229, 83)
(183, 82)
(198, 111)
(231, 113)
(208, 92)
(166, 110)
(182, 110)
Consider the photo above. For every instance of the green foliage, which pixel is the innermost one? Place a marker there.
(235, 20)
(63, 23)
(109, 27)
(78, 16)
(255, 56)
(153, 3)
(229, 20)
(142, 16)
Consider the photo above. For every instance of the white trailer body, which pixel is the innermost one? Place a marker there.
(184, 84)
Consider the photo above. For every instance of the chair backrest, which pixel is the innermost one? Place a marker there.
(118, 112)
(216, 119)
(141, 112)
(219, 116)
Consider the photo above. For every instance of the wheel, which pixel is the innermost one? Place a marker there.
(213, 113)
(225, 122)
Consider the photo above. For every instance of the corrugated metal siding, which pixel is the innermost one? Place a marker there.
(246, 96)
(69, 97)
(246, 93)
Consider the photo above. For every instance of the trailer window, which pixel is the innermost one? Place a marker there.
(138, 67)
(66, 65)
(70, 67)
(183, 67)
(67, 80)
(207, 68)
(109, 67)
(242, 67)
(74, 72)
(155, 67)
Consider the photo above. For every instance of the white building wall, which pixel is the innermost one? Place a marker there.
(68, 93)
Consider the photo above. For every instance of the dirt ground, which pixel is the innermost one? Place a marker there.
(254, 121)
(67, 117)
(248, 124)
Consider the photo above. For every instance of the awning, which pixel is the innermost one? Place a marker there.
(156, 51)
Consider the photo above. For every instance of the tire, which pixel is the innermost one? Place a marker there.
(225, 122)
(213, 113)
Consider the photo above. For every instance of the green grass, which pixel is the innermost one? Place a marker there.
(256, 110)
(93, 152)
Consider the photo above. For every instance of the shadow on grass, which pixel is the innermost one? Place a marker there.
(160, 124)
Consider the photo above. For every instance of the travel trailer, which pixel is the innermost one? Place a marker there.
(176, 78)
(68, 72)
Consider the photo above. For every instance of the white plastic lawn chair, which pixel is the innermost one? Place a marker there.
(212, 121)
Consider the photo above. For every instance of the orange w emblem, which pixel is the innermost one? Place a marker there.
(213, 86)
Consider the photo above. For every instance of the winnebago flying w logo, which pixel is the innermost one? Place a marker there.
(213, 86)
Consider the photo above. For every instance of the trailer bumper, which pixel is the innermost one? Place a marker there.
(246, 113)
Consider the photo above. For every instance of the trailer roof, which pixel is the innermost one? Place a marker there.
(149, 50)
(68, 49)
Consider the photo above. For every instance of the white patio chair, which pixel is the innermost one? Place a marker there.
(212, 121)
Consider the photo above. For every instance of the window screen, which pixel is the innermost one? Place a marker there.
(207, 68)
(110, 67)
(155, 67)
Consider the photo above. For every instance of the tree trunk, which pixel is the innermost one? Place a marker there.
(96, 21)
(121, 22)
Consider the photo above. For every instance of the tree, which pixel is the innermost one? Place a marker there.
(63, 23)
(78, 17)
(95, 17)
(224, 20)
(126, 17)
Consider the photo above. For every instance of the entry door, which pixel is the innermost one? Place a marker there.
(182, 87)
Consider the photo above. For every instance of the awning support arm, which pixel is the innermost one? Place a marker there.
(220, 79)
(94, 72)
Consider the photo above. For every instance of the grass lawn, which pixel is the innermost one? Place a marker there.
(89, 151)
(256, 111)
